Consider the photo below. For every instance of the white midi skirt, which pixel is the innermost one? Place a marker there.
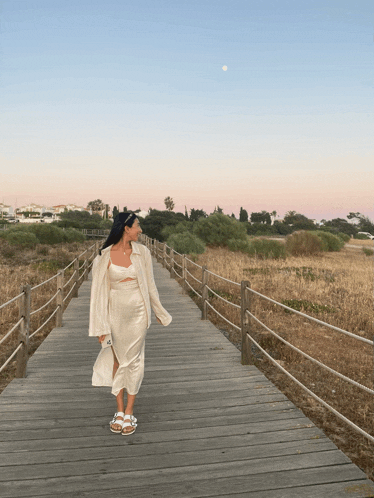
(128, 322)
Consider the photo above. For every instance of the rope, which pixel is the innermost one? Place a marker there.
(193, 289)
(194, 263)
(223, 299)
(11, 330)
(11, 356)
(11, 300)
(349, 422)
(46, 304)
(44, 282)
(68, 294)
(175, 271)
(223, 278)
(226, 320)
(367, 341)
(197, 280)
(70, 279)
(41, 326)
(347, 379)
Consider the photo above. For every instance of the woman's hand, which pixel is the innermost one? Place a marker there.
(101, 338)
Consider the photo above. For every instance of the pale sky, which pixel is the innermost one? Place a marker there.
(128, 102)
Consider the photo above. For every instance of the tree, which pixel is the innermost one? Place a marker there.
(337, 225)
(115, 212)
(96, 205)
(156, 220)
(243, 215)
(195, 214)
(298, 221)
(218, 209)
(169, 203)
(263, 217)
(273, 214)
(185, 212)
(364, 223)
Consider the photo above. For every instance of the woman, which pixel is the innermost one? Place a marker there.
(122, 294)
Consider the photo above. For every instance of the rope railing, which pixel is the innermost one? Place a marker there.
(25, 313)
(329, 369)
(223, 278)
(247, 356)
(311, 393)
(44, 305)
(3, 339)
(320, 322)
(222, 298)
(11, 300)
(193, 262)
(190, 274)
(70, 279)
(44, 282)
(44, 323)
(223, 317)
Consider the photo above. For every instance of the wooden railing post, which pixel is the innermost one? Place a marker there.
(85, 268)
(172, 269)
(164, 255)
(60, 297)
(246, 357)
(76, 277)
(23, 331)
(184, 271)
(158, 257)
(204, 293)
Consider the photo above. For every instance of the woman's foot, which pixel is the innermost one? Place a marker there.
(116, 424)
(129, 425)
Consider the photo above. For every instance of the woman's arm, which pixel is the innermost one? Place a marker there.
(162, 315)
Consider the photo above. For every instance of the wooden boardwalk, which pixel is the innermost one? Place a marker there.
(207, 426)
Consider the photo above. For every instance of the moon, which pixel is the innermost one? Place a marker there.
(224, 68)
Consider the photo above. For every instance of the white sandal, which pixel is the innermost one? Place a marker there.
(117, 422)
(132, 423)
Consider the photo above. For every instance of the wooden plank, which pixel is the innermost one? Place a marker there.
(260, 486)
(106, 478)
(271, 440)
(124, 458)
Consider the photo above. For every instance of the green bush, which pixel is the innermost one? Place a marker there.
(238, 245)
(361, 236)
(218, 228)
(181, 227)
(344, 236)
(72, 235)
(23, 238)
(266, 249)
(47, 233)
(303, 243)
(330, 242)
(186, 243)
(368, 251)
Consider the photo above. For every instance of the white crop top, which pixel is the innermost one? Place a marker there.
(118, 273)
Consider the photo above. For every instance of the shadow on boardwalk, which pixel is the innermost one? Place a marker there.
(207, 426)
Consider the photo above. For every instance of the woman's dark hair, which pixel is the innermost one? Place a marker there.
(119, 223)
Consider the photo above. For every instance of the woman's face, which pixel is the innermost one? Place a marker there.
(134, 231)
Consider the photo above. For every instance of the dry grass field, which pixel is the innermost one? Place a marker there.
(31, 266)
(336, 288)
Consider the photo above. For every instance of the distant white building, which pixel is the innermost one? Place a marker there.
(5, 209)
(60, 208)
(33, 208)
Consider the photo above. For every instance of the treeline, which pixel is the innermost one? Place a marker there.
(257, 224)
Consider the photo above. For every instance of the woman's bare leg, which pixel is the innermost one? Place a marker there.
(120, 399)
